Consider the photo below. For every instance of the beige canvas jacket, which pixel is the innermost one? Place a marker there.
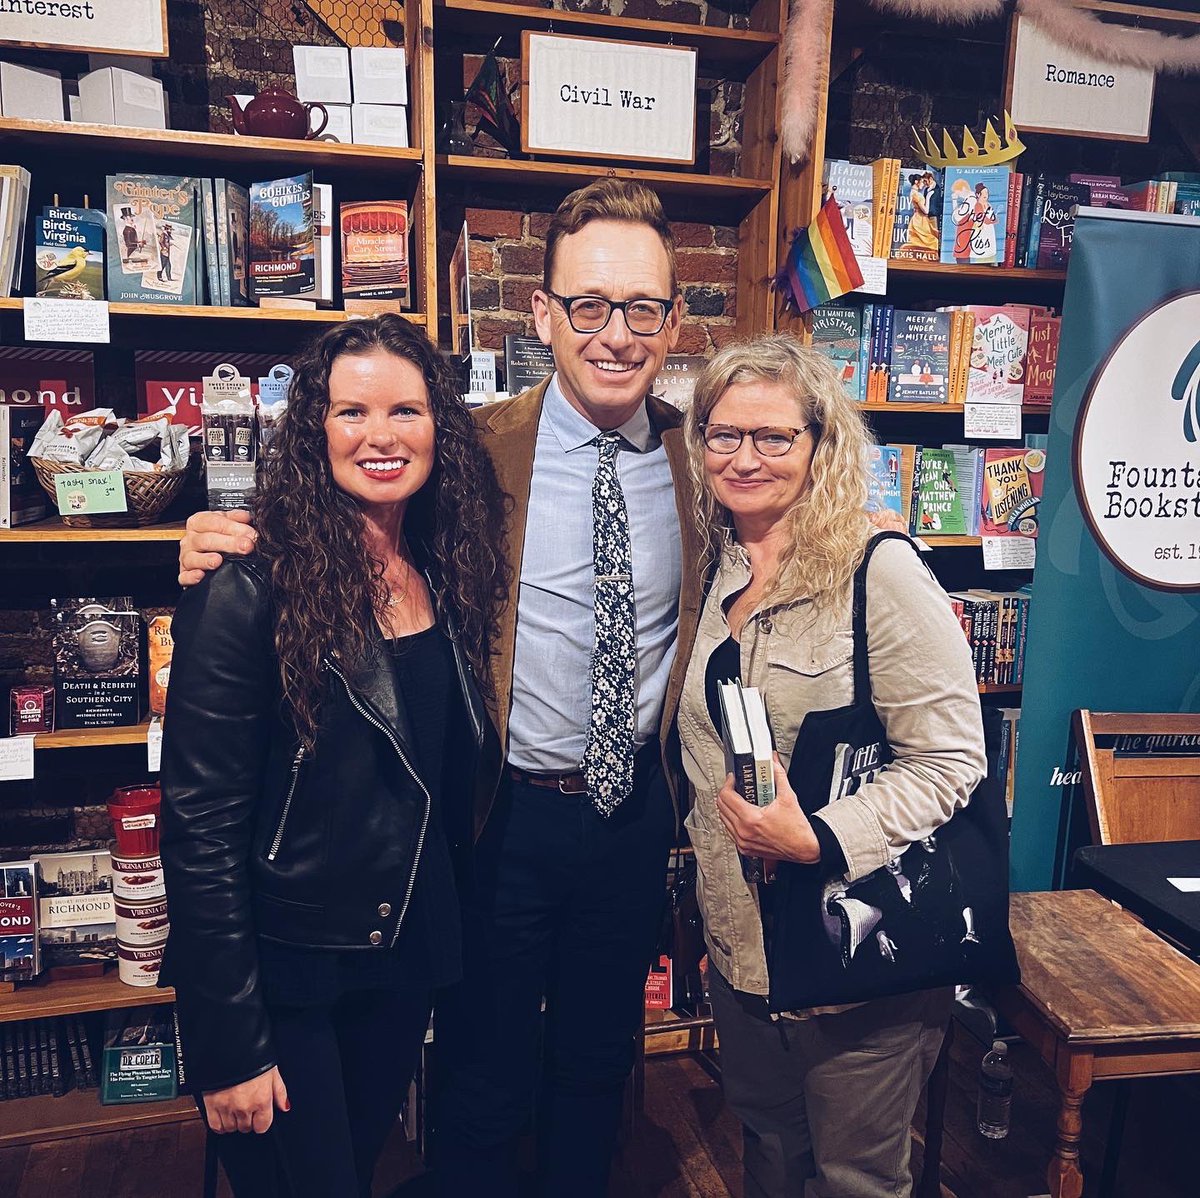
(924, 690)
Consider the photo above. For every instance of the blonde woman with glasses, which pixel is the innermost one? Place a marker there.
(777, 454)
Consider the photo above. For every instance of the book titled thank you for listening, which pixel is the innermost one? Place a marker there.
(282, 251)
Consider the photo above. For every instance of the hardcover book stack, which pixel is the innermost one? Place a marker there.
(76, 917)
(746, 737)
(996, 625)
(14, 204)
(374, 241)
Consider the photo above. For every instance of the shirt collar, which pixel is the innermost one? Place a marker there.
(574, 430)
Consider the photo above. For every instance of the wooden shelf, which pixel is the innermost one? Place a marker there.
(910, 268)
(999, 688)
(80, 995)
(951, 542)
(68, 137)
(508, 171)
(716, 46)
(54, 530)
(661, 1035)
(91, 738)
(210, 312)
(1034, 409)
(80, 1113)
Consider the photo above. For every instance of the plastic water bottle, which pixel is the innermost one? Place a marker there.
(995, 1092)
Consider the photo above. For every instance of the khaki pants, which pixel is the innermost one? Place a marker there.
(826, 1102)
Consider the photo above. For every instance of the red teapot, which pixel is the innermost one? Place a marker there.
(276, 113)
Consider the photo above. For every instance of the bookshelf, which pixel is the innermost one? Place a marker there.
(92, 738)
(54, 531)
(80, 1113)
(78, 996)
(318, 316)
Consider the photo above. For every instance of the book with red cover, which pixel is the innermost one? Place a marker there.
(1012, 491)
(1041, 357)
(20, 958)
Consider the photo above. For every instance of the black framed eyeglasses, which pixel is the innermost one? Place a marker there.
(591, 313)
(770, 440)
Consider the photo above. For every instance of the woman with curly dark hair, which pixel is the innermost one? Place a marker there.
(323, 723)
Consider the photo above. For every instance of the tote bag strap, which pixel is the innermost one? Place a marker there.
(862, 666)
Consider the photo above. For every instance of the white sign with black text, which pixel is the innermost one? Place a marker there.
(597, 98)
(1051, 88)
(115, 26)
(1137, 448)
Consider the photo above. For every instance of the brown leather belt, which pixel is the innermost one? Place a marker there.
(568, 784)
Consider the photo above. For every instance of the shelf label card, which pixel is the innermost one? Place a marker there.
(1009, 553)
(16, 758)
(67, 320)
(991, 421)
(154, 745)
(874, 273)
(92, 493)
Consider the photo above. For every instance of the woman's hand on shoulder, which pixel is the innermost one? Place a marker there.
(248, 1106)
(778, 832)
(210, 537)
(888, 521)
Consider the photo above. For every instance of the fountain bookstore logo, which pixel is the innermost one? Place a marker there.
(1137, 448)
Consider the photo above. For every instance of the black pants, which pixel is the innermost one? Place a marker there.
(347, 1070)
(564, 905)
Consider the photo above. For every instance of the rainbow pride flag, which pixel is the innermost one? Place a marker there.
(820, 263)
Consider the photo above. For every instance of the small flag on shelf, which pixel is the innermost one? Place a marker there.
(820, 263)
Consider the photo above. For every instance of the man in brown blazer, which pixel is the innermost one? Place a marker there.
(580, 797)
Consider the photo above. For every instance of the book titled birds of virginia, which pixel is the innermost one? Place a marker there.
(282, 248)
(68, 253)
(152, 223)
(975, 215)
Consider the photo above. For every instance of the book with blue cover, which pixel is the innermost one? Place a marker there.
(920, 358)
(68, 253)
(975, 215)
(837, 335)
(851, 186)
(883, 483)
(282, 238)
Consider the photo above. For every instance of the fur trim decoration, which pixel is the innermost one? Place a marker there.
(805, 53)
(1083, 32)
(950, 12)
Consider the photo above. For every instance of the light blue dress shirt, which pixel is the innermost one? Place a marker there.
(556, 619)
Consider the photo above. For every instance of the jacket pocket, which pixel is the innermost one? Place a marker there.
(810, 660)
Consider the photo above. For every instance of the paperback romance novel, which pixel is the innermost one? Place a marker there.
(975, 215)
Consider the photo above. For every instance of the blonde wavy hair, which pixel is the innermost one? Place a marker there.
(827, 525)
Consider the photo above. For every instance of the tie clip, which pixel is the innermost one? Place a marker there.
(614, 577)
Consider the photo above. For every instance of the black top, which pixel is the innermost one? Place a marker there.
(428, 952)
(725, 665)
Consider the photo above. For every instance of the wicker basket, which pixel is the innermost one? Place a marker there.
(147, 494)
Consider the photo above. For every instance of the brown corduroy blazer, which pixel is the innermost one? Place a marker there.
(508, 431)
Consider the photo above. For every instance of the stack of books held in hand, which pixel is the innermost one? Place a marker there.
(746, 735)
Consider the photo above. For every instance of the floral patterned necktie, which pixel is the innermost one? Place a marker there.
(608, 754)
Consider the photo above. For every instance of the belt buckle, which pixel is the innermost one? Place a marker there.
(562, 789)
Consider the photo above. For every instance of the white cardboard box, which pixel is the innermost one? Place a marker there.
(338, 124)
(379, 124)
(379, 74)
(322, 74)
(30, 93)
(113, 96)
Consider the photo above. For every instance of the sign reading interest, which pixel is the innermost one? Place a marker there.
(595, 98)
(1137, 453)
(1051, 88)
(117, 26)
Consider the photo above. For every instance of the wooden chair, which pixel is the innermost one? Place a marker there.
(1135, 793)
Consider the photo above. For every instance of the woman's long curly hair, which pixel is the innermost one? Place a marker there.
(328, 587)
(827, 527)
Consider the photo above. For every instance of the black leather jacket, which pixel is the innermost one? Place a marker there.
(262, 839)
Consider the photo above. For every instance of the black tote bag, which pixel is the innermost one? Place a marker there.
(936, 915)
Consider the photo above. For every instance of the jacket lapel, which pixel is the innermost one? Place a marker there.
(509, 433)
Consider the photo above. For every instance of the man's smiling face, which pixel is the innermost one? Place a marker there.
(606, 375)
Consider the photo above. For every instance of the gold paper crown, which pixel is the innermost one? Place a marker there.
(993, 153)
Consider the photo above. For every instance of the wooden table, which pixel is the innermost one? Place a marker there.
(1101, 997)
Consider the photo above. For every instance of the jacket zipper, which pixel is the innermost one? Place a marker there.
(287, 805)
(375, 723)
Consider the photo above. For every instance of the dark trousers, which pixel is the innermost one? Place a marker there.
(347, 1070)
(563, 905)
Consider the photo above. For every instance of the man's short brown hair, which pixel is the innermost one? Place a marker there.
(609, 199)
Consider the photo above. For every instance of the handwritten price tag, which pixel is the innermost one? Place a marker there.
(90, 494)
(16, 758)
(154, 745)
(1009, 553)
(66, 320)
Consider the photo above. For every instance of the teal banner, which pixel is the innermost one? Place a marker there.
(1115, 614)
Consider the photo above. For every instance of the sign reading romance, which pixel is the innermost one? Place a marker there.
(114, 26)
(1051, 88)
(1137, 448)
(595, 98)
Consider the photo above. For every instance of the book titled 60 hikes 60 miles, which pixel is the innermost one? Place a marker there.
(282, 250)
